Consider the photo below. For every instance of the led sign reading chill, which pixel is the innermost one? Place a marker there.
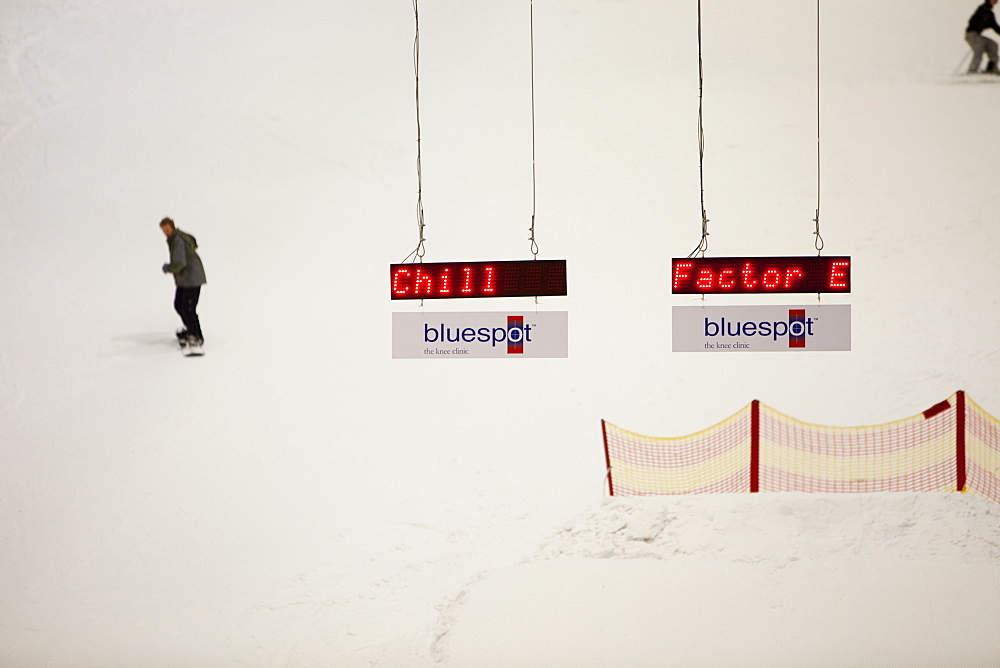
(702, 275)
(449, 280)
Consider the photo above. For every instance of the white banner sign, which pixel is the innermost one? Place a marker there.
(481, 334)
(761, 328)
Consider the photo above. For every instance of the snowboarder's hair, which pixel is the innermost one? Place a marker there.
(168, 221)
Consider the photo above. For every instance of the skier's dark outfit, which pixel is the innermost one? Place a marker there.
(982, 19)
(189, 276)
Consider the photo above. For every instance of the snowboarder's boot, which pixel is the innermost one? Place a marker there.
(193, 347)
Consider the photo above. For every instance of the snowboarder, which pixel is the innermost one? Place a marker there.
(982, 19)
(189, 276)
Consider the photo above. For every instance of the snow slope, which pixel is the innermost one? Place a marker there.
(295, 497)
(788, 579)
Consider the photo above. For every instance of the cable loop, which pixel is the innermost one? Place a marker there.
(702, 246)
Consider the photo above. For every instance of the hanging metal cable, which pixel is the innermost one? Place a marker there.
(418, 253)
(818, 242)
(703, 242)
(531, 21)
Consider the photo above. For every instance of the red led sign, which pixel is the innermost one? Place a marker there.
(703, 275)
(449, 280)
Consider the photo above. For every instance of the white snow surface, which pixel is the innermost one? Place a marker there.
(786, 579)
(295, 497)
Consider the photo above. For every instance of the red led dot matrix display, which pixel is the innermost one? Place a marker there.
(451, 280)
(760, 275)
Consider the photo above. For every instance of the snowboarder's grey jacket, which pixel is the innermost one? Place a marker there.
(983, 19)
(184, 263)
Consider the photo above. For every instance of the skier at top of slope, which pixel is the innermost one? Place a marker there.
(982, 19)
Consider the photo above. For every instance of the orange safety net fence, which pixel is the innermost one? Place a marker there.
(982, 452)
(952, 446)
(714, 460)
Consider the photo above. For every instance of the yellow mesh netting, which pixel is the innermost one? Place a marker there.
(760, 449)
(982, 452)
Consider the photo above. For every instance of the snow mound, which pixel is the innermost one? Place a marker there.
(769, 579)
(781, 528)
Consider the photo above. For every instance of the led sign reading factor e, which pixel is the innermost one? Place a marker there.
(450, 280)
(731, 275)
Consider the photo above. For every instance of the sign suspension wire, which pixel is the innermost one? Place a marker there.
(818, 238)
(531, 22)
(703, 242)
(534, 187)
(417, 255)
(702, 246)
(818, 243)
(414, 279)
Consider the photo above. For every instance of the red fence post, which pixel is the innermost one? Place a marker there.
(754, 446)
(960, 441)
(607, 458)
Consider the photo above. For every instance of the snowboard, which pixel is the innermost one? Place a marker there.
(189, 349)
(193, 350)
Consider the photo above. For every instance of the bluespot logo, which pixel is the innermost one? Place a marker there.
(797, 328)
(791, 328)
(508, 334)
(515, 334)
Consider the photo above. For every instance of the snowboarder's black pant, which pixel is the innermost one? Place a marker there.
(186, 305)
